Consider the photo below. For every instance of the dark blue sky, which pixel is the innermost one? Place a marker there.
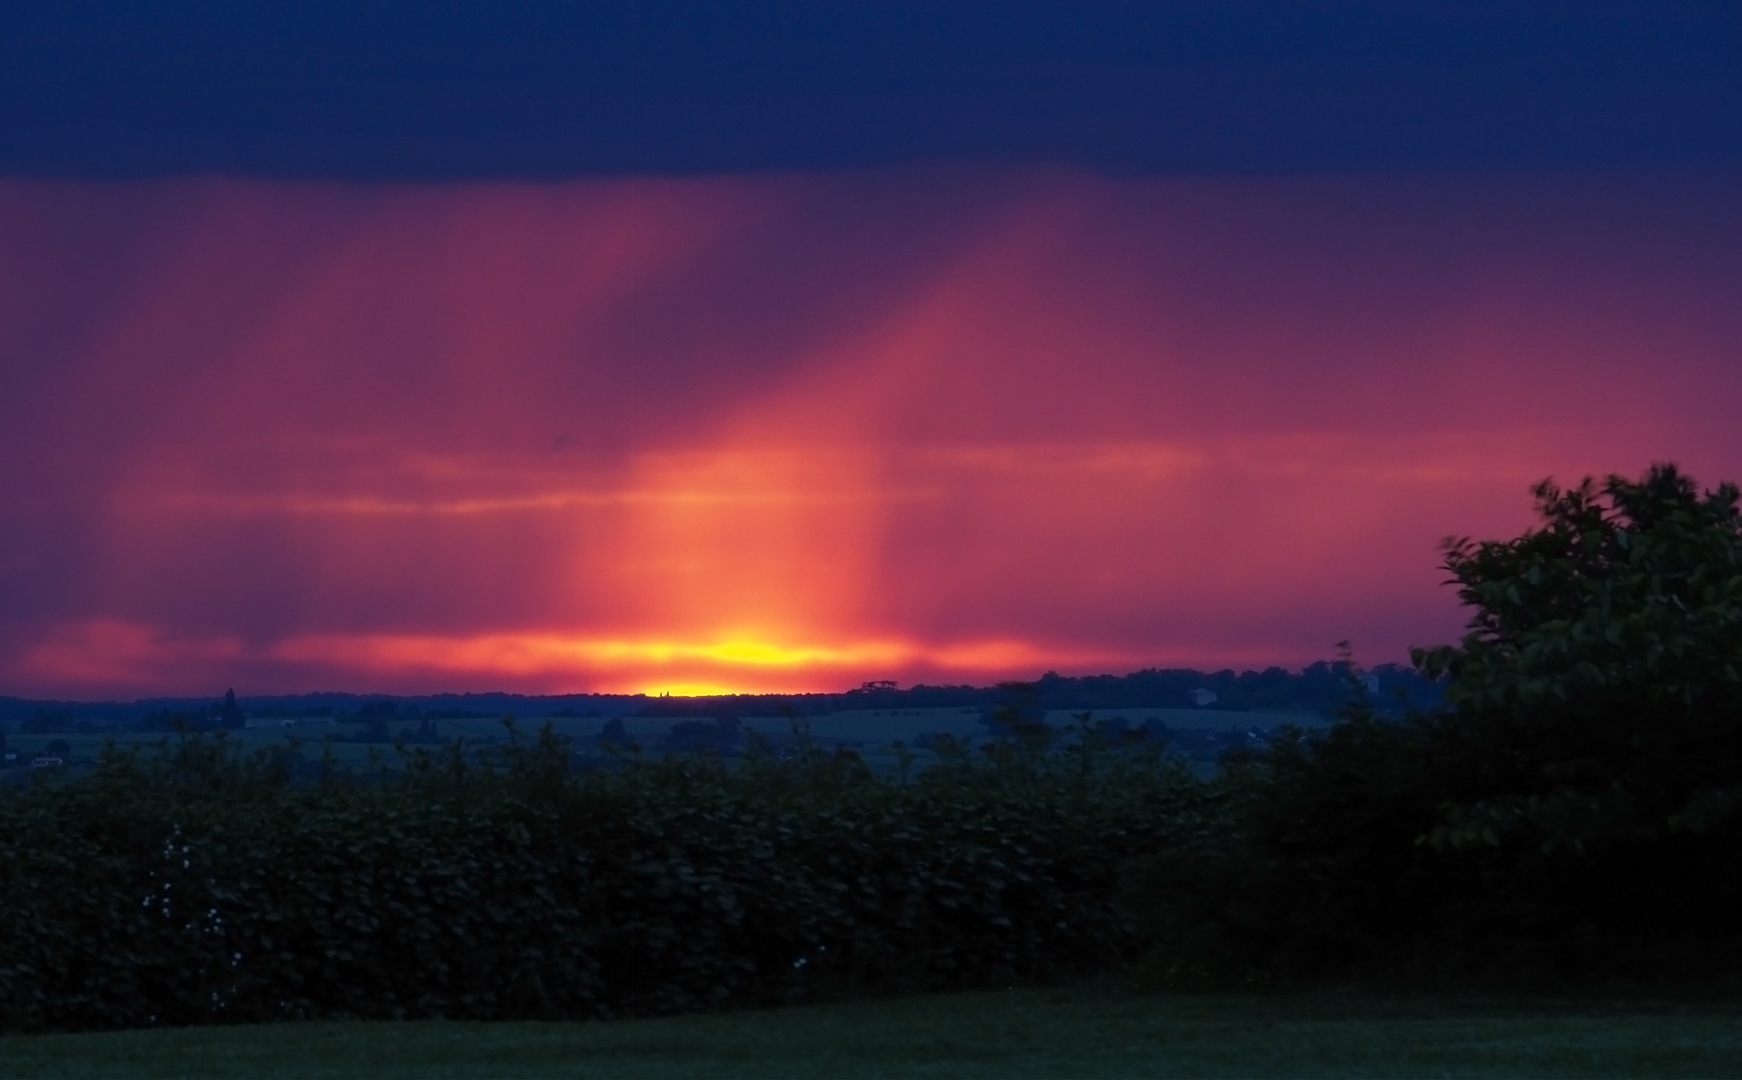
(438, 89)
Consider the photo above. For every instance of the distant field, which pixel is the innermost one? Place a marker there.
(870, 731)
(1199, 719)
(1089, 1032)
(84, 749)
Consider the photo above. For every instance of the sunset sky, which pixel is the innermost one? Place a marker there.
(1000, 346)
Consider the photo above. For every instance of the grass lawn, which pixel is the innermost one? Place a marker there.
(1079, 1031)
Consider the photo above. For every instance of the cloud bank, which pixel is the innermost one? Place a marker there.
(796, 431)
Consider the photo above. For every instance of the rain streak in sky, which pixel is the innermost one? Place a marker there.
(794, 431)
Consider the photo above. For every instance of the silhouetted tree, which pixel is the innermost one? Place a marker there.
(376, 716)
(230, 716)
(1577, 804)
(614, 736)
(1603, 666)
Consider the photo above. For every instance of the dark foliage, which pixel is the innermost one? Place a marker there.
(1574, 810)
(201, 887)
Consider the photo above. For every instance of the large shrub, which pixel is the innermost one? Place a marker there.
(1604, 668)
(1573, 809)
(200, 887)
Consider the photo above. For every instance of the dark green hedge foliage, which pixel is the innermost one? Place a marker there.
(1576, 810)
(200, 887)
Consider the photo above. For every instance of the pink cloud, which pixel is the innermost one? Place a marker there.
(794, 432)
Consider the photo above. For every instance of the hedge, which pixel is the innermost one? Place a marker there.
(199, 886)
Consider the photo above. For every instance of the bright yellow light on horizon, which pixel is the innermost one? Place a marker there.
(727, 664)
(694, 690)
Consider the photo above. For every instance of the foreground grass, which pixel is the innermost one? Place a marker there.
(1054, 1032)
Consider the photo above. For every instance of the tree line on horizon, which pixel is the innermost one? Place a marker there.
(1319, 688)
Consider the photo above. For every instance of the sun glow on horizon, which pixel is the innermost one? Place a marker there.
(800, 432)
(115, 654)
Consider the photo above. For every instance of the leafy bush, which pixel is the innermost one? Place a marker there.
(203, 887)
(1573, 810)
(1606, 657)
